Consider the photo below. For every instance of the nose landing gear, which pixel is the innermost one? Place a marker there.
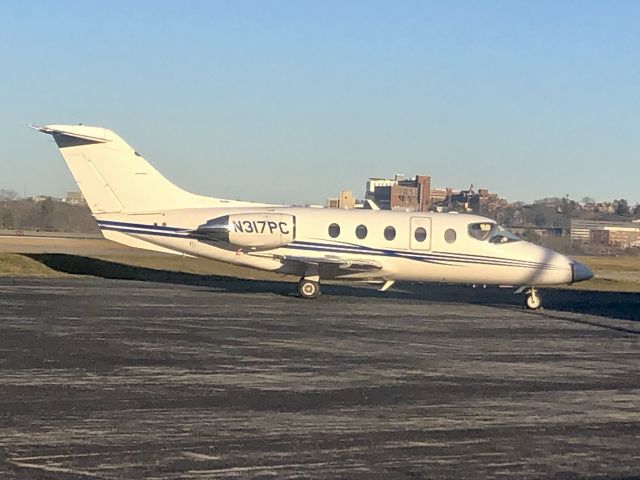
(532, 300)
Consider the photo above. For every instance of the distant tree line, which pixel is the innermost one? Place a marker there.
(44, 215)
(7, 194)
(552, 212)
(557, 212)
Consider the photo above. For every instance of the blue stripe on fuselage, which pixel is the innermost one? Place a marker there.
(139, 225)
(145, 232)
(443, 258)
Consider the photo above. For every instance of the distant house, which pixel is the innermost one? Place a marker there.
(75, 198)
(40, 198)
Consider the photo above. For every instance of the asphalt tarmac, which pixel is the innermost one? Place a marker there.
(116, 379)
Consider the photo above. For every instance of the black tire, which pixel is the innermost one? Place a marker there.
(533, 302)
(308, 289)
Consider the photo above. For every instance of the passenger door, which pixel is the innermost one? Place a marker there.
(420, 234)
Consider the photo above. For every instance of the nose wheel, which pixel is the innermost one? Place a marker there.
(308, 288)
(532, 300)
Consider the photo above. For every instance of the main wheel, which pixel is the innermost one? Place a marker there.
(308, 289)
(533, 301)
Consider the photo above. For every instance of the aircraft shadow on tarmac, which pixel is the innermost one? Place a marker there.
(619, 305)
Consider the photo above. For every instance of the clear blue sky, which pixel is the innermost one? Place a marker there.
(292, 101)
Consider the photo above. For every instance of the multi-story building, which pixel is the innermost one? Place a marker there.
(375, 182)
(605, 234)
(422, 185)
(344, 200)
(439, 195)
(403, 197)
(400, 194)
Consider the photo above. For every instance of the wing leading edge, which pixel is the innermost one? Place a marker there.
(345, 265)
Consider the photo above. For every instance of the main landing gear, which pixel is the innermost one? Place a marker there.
(532, 300)
(309, 284)
(308, 288)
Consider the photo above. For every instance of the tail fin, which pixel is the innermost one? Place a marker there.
(113, 177)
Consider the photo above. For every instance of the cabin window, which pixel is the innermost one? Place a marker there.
(480, 231)
(361, 232)
(389, 233)
(450, 235)
(420, 234)
(334, 230)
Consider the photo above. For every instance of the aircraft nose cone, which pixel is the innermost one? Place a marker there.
(580, 272)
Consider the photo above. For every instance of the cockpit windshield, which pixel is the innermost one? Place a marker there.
(499, 234)
(492, 232)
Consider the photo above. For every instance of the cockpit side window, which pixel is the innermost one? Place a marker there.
(492, 232)
(500, 234)
(481, 230)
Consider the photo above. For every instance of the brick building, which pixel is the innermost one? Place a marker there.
(410, 194)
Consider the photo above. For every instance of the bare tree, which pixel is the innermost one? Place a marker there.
(7, 194)
(623, 207)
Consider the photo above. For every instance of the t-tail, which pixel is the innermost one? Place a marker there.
(114, 178)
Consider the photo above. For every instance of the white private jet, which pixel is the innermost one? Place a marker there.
(135, 205)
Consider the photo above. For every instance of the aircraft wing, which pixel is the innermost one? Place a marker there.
(345, 264)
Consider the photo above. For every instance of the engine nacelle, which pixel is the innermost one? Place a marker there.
(252, 230)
